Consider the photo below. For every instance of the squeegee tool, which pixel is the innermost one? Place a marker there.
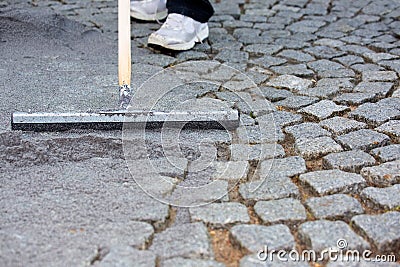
(112, 120)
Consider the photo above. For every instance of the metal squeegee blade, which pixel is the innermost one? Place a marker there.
(114, 120)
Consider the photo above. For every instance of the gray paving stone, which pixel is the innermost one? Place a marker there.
(236, 24)
(290, 82)
(354, 98)
(296, 102)
(382, 230)
(192, 55)
(286, 210)
(220, 213)
(387, 153)
(276, 33)
(200, 173)
(337, 206)
(382, 198)
(391, 64)
(218, 190)
(391, 102)
(342, 83)
(186, 240)
(322, 234)
(252, 18)
(300, 70)
(131, 233)
(376, 57)
(363, 139)
(247, 36)
(220, 35)
(232, 56)
(122, 256)
(332, 181)
(366, 67)
(230, 9)
(273, 94)
(156, 60)
(256, 152)
(324, 52)
(306, 130)
(254, 107)
(231, 97)
(290, 166)
(280, 118)
(385, 174)
(221, 18)
(356, 49)
(308, 24)
(375, 113)
(258, 75)
(324, 65)
(272, 187)
(255, 237)
(221, 45)
(247, 120)
(379, 76)
(254, 261)
(339, 73)
(268, 26)
(182, 262)
(262, 133)
(260, 12)
(349, 60)
(391, 128)
(289, 8)
(268, 61)
(351, 161)
(296, 55)
(290, 43)
(321, 91)
(323, 109)
(341, 125)
(171, 166)
(380, 89)
(230, 170)
(263, 49)
(312, 148)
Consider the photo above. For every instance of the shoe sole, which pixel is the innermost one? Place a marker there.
(202, 35)
(146, 17)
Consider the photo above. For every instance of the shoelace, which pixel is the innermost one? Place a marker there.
(155, 15)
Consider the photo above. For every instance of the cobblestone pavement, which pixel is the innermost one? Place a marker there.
(329, 169)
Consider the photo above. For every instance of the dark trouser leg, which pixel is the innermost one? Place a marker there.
(199, 10)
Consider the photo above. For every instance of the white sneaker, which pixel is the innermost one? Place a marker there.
(149, 10)
(179, 32)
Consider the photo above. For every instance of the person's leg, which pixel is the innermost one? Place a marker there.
(199, 10)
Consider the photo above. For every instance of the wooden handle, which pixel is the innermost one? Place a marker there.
(124, 43)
